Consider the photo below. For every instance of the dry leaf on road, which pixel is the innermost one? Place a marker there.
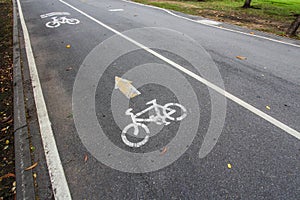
(164, 150)
(32, 166)
(241, 57)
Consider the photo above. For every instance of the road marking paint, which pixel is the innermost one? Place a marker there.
(162, 113)
(218, 27)
(116, 10)
(242, 103)
(126, 87)
(57, 176)
(53, 14)
(57, 21)
(209, 22)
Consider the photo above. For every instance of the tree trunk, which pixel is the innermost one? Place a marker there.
(247, 4)
(294, 26)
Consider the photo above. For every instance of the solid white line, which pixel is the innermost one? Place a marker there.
(57, 176)
(116, 10)
(214, 26)
(242, 103)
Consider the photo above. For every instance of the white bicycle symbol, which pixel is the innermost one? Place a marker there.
(57, 21)
(162, 113)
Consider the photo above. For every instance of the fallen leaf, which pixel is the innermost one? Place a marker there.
(164, 150)
(7, 142)
(68, 46)
(86, 157)
(7, 176)
(69, 68)
(34, 175)
(241, 57)
(6, 147)
(229, 166)
(252, 33)
(32, 166)
(268, 107)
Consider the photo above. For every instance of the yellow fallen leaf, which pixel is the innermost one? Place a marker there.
(241, 57)
(229, 166)
(7, 142)
(268, 107)
(32, 166)
(68, 46)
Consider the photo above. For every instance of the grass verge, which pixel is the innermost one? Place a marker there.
(273, 16)
(7, 156)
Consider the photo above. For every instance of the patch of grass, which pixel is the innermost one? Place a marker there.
(275, 16)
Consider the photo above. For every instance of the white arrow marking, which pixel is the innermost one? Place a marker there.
(126, 87)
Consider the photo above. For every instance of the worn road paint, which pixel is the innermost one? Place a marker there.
(54, 14)
(57, 21)
(162, 114)
(116, 10)
(126, 87)
(209, 22)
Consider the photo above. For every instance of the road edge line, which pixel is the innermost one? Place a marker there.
(221, 28)
(57, 176)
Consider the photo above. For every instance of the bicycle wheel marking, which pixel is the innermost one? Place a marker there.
(58, 18)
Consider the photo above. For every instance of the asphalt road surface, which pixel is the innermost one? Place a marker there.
(219, 126)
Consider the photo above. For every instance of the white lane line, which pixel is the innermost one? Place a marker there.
(116, 10)
(214, 26)
(242, 103)
(57, 176)
(209, 22)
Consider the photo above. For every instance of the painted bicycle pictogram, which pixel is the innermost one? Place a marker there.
(57, 21)
(98, 107)
(161, 117)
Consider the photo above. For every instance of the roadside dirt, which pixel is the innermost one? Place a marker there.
(7, 156)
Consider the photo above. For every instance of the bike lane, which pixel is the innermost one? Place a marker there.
(59, 68)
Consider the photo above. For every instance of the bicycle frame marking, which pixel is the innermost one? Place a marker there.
(162, 113)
